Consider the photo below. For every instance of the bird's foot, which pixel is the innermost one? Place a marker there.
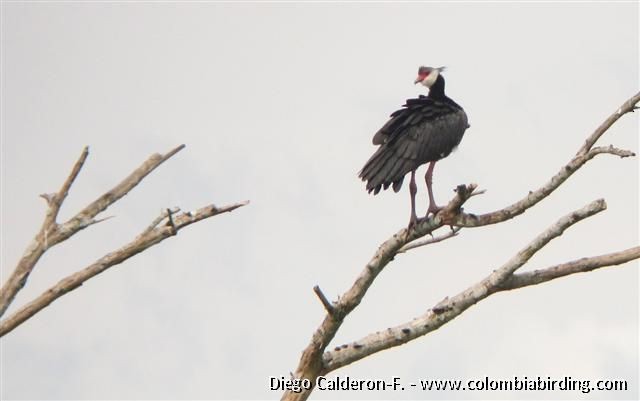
(412, 221)
(433, 209)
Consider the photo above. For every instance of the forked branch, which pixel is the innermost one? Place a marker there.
(581, 265)
(450, 308)
(52, 233)
(147, 239)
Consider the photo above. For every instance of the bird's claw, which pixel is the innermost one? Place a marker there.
(433, 209)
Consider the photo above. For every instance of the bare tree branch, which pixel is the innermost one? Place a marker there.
(312, 363)
(310, 366)
(451, 308)
(584, 154)
(581, 265)
(626, 107)
(42, 241)
(145, 240)
(79, 221)
(53, 233)
(531, 199)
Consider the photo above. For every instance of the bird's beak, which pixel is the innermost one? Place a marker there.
(419, 79)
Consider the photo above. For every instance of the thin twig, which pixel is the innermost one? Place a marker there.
(171, 223)
(611, 150)
(417, 244)
(96, 221)
(158, 220)
(48, 197)
(328, 306)
(57, 199)
(478, 192)
(626, 107)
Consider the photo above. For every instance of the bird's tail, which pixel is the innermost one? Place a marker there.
(381, 171)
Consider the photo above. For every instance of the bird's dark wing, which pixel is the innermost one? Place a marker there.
(423, 130)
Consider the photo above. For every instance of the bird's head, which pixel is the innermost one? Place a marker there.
(427, 75)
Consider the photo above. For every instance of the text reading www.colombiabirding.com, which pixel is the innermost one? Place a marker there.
(523, 383)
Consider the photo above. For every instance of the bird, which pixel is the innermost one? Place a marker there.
(426, 129)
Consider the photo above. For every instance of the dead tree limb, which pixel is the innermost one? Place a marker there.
(52, 233)
(581, 265)
(142, 242)
(450, 308)
(315, 362)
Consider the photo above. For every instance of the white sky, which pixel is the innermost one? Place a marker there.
(277, 104)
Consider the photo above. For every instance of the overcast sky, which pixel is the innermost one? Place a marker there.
(277, 103)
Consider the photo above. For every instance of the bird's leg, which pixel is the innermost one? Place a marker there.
(433, 208)
(413, 189)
